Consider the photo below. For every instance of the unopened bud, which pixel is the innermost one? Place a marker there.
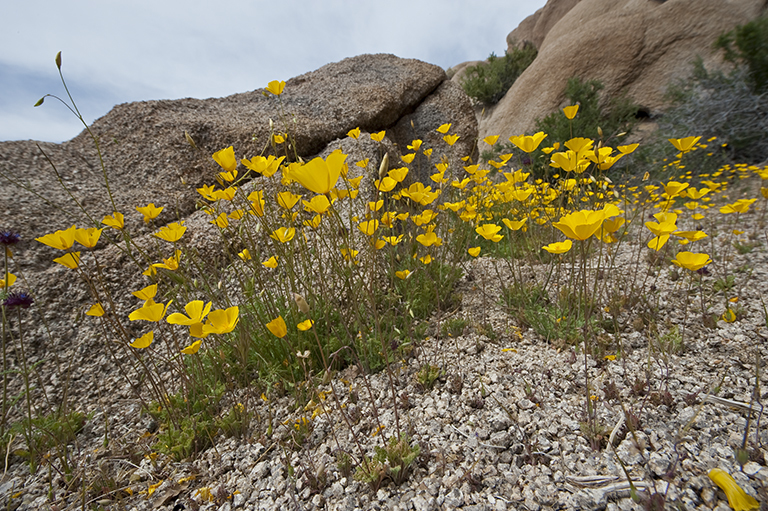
(189, 140)
(271, 125)
(301, 303)
(600, 131)
(384, 166)
(58, 60)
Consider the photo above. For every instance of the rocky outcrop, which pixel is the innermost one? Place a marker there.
(637, 47)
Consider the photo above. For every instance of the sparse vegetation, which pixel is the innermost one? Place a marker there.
(489, 81)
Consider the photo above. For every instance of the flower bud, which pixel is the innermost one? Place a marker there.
(301, 303)
(384, 166)
(189, 140)
(58, 60)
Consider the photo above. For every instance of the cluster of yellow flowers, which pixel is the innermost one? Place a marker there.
(474, 196)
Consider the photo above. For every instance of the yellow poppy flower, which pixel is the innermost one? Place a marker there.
(276, 87)
(115, 220)
(283, 234)
(559, 247)
(691, 261)
(192, 348)
(580, 225)
(305, 325)
(398, 174)
(354, 133)
(96, 310)
(490, 232)
(737, 497)
(393, 240)
(402, 275)
(144, 341)
(474, 251)
(149, 211)
(378, 137)
(570, 111)
(62, 240)
(264, 166)
(196, 310)
(451, 139)
(70, 260)
(287, 200)
(658, 242)
(153, 312)
(684, 145)
(172, 232)
(514, 225)
(270, 263)
(528, 143)
(226, 159)
(221, 221)
(386, 184)
(320, 175)
(318, 204)
(277, 327)
(443, 128)
(368, 227)
(147, 293)
(222, 321)
(428, 239)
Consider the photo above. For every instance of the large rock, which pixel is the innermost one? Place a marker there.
(637, 47)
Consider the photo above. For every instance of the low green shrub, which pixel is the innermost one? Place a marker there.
(489, 81)
(748, 45)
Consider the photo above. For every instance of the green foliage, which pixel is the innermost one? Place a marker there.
(188, 421)
(745, 247)
(671, 343)
(724, 283)
(489, 81)
(428, 375)
(454, 327)
(748, 45)
(561, 319)
(54, 431)
(393, 461)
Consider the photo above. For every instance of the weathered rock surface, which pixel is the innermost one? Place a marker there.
(637, 47)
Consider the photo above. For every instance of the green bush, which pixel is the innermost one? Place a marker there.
(748, 45)
(489, 81)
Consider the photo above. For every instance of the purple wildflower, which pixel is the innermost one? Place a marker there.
(18, 299)
(9, 237)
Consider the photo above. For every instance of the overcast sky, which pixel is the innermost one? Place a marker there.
(114, 52)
